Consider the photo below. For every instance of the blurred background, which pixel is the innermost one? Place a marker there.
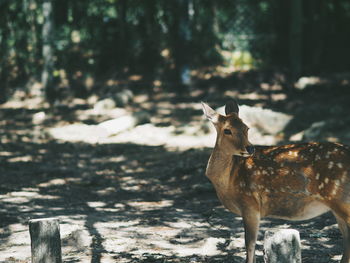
(290, 56)
(80, 45)
(100, 116)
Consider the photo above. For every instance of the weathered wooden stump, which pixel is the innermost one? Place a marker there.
(45, 240)
(282, 246)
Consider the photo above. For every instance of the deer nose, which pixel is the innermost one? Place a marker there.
(250, 149)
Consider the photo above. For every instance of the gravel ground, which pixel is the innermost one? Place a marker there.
(139, 195)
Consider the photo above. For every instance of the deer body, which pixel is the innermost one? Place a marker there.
(294, 182)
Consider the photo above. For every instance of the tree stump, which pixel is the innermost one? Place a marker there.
(282, 246)
(45, 240)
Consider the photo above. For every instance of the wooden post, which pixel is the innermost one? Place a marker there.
(282, 246)
(45, 240)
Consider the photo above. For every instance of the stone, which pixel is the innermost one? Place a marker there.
(105, 104)
(96, 133)
(39, 117)
(78, 132)
(123, 97)
(265, 120)
(282, 246)
(314, 131)
(305, 82)
(123, 123)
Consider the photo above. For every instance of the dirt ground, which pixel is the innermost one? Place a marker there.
(129, 201)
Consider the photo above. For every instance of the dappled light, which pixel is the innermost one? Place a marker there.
(140, 193)
(102, 125)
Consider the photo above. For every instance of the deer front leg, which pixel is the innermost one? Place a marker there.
(251, 220)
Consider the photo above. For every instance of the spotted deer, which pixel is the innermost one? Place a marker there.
(294, 182)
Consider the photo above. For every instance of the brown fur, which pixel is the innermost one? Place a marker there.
(295, 181)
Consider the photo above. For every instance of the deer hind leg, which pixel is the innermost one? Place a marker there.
(344, 227)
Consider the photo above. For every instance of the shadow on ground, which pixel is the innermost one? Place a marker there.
(119, 189)
(133, 203)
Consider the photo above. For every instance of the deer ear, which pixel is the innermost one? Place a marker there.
(231, 107)
(211, 114)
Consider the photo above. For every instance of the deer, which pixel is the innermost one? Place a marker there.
(293, 182)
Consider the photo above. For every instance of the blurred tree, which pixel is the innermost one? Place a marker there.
(47, 77)
(296, 27)
(4, 49)
(75, 40)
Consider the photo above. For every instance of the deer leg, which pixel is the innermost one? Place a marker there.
(251, 227)
(345, 230)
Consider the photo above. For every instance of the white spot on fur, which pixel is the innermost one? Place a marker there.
(344, 177)
(330, 165)
(334, 191)
(317, 176)
(321, 186)
(340, 165)
(326, 180)
(335, 188)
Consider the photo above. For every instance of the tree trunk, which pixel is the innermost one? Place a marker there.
(182, 39)
(48, 50)
(122, 37)
(4, 50)
(296, 34)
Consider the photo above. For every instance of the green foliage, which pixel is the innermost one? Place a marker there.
(118, 37)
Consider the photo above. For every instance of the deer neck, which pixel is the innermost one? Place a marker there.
(221, 166)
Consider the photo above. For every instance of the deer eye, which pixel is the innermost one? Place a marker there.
(227, 132)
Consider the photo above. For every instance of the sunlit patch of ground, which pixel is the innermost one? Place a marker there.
(140, 195)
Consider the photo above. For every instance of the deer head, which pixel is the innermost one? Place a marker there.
(232, 133)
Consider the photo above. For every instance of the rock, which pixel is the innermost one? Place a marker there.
(123, 97)
(123, 123)
(38, 118)
(265, 120)
(99, 115)
(96, 133)
(78, 239)
(92, 99)
(79, 132)
(304, 82)
(315, 131)
(259, 138)
(282, 246)
(297, 137)
(105, 104)
(118, 125)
